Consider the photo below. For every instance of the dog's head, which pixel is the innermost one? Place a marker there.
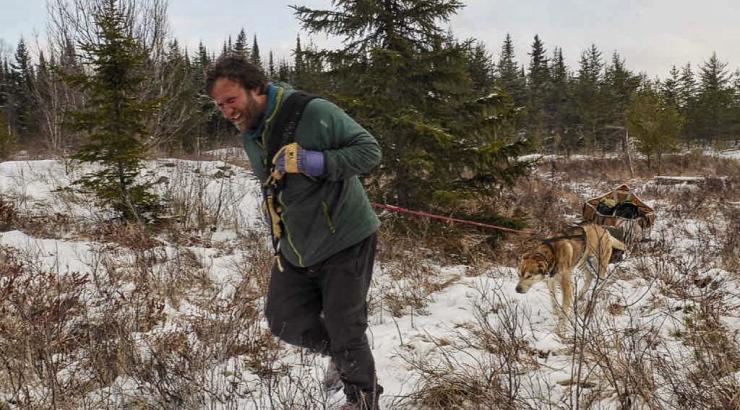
(532, 269)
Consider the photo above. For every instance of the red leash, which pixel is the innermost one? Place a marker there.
(448, 219)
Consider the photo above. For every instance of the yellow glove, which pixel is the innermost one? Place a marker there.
(286, 159)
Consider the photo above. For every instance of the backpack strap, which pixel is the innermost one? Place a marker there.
(283, 130)
(282, 133)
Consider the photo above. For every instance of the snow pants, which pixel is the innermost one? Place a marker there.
(324, 309)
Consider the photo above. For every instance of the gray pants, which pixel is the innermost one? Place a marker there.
(324, 308)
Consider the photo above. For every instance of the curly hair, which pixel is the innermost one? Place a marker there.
(237, 69)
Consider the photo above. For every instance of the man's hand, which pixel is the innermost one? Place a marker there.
(293, 159)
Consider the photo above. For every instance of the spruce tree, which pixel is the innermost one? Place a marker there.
(20, 98)
(669, 88)
(284, 72)
(240, 47)
(480, 67)
(619, 86)
(271, 72)
(113, 116)
(255, 55)
(299, 68)
(404, 79)
(537, 87)
(588, 101)
(7, 141)
(712, 118)
(559, 104)
(508, 74)
(653, 123)
(686, 88)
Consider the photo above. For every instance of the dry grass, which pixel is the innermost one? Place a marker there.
(150, 325)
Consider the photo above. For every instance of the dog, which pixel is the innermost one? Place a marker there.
(586, 247)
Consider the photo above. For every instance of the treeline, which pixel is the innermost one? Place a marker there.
(562, 108)
(450, 116)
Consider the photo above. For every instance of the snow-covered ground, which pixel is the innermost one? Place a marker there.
(444, 330)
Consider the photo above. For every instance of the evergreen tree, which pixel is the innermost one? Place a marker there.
(588, 101)
(539, 74)
(299, 68)
(508, 74)
(713, 115)
(271, 66)
(686, 88)
(113, 116)
(284, 73)
(256, 59)
(403, 79)
(240, 47)
(669, 88)
(210, 124)
(7, 141)
(480, 66)
(537, 88)
(619, 86)
(655, 124)
(308, 71)
(4, 83)
(177, 113)
(21, 104)
(559, 104)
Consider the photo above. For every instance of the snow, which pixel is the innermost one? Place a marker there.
(35, 188)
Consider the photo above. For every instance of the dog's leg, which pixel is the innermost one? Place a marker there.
(557, 309)
(566, 286)
(604, 262)
(551, 286)
(587, 278)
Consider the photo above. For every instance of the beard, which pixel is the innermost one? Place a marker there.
(249, 115)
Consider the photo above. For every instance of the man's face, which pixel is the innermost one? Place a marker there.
(241, 107)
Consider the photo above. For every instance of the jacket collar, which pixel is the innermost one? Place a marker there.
(256, 132)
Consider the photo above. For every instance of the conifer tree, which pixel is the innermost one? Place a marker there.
(619, 86)
(480, 67)
(4, 78)
(7, 141)
(686, 88)
(240, 46)
(177, 114)
(655, 124)
(20, 102)
(403, 79)
(588, 102)
(669, 88)
(113, 116)
(559, 104)
(508, 74)
(299, 68)
(255, 56)
(284, 72)
(537, 88)
(713, 115)
(271, 72)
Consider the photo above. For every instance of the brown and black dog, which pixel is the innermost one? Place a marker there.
(586, 247)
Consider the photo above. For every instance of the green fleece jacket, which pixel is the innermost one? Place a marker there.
(321, 216)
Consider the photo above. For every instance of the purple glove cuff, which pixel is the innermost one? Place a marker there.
(311, 163)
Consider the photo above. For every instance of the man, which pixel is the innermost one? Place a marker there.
(324, 228)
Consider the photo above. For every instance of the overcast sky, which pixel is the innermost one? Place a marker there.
(651, 35)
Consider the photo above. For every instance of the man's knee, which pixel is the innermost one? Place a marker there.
(284, 327)
(305, 331)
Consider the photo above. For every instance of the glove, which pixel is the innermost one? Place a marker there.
(293, 159)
